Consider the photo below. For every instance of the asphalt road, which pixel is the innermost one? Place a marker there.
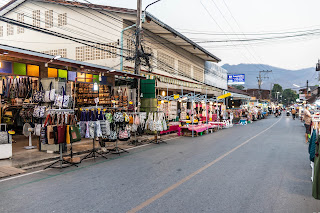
(261, 167)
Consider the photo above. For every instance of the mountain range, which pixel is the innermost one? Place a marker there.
(286, 78)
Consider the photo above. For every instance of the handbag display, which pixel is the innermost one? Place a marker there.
(105, 127)
(109, 117)
(39, 111)
(74, 131)
(113, 135)
(118, 117)
(98, 132)
(62, 100)
(87, 130)
(50, 94)
(123, 134)
(126, 117)
(61, 131)
(130, 119)
(83, 129)
(38, 95)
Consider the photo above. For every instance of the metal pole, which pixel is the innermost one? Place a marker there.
(137, 66)
(194, 94)
(121, 43)
(207, 111)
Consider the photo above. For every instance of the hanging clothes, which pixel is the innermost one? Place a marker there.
(316, 177)
(312, 145)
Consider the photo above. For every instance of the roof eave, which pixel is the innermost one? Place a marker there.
(173, 31)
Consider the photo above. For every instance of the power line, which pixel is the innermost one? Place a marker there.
(52, 33)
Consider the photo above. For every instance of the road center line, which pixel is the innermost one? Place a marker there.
(172, 187)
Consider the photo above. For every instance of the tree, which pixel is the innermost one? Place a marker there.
(289, 96)
(276, 88)
(240, 87)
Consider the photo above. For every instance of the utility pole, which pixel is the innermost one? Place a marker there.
(307, 87)
(137, 66)
(260, 80)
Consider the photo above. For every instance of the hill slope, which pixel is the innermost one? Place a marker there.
(286, 78)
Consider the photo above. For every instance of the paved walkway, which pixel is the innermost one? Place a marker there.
(262, 167)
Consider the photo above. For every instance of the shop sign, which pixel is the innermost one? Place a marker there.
(236, 79)
(224, 96)
(302, 96)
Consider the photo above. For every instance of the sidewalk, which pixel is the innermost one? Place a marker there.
(30, 159)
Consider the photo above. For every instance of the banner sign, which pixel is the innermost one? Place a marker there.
(224, 96)
(236, 79)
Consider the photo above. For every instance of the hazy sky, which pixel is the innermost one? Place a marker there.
(253, 16)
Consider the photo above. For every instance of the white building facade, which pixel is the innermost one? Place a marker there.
(172, 54)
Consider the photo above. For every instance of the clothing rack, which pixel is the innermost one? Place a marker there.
(157, 138)
(61, 161)
(93, 154)
(135, 141)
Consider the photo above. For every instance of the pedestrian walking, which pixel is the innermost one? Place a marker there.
(293, 112)
(307, 122)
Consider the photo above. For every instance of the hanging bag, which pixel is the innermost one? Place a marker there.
(98, 132)
(61, 131)
(126, 117)
(118, 117)
(39, 111)
(43, 132)
(74, 131)
(51, 133)
(130, 119)
(38, 95)
(50, 94)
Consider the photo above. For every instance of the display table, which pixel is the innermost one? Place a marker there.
(218, 124)
(172, 128)
(187, 130)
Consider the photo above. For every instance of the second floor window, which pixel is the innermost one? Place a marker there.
(62, 19)
(36, 18)
(20, 17)
(1, 31)
(10, 29)
(49, 18)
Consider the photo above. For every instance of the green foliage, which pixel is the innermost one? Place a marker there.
(276, 88)
(289, 96)
(240, 87)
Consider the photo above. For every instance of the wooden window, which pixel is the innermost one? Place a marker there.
(198, 73)
(62, 19)
(36, 18)
(20, 17)
(10, 29)
(184, 68)
(165, 62)
(49, 18)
